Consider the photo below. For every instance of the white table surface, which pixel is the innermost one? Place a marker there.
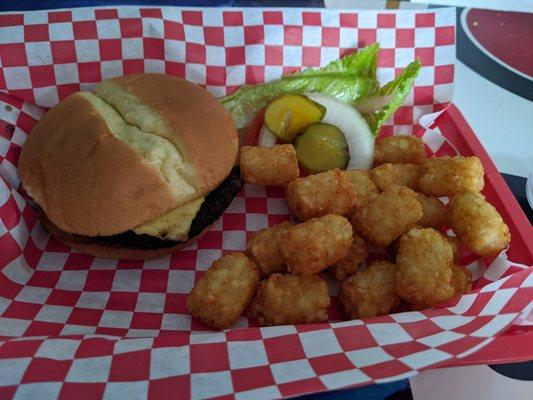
(502, 121)
(469, 383)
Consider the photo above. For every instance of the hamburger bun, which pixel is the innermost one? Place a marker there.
(131, 246)
(99, 164)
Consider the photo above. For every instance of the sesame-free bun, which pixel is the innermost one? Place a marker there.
(140, 145)
(132, 246)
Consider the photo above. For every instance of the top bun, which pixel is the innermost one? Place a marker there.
(101, 163)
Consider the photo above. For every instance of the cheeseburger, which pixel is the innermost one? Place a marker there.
(137, 168)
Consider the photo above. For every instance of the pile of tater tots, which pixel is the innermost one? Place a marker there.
(395, 206)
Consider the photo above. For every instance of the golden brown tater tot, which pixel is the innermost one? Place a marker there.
(448, 176)
(349, 264)
(314, 245)
(386, 217)
(370, 292)
(274, 166)
(433, 209)
(329, 192)
(461, 280)
(291, 299)
(478, 224)
(262, 248)
(399, 149)
(386, 176)
(364, 187)
(424, 274)
(222, 294)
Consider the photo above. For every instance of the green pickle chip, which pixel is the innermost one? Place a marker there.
(322, 147)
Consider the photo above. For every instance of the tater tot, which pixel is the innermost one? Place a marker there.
(262, 248)
(389, 175)
(222, 294)
(433, 210)
(274, 166)
(364, 187)
(461, 280)
(291, 299)
(312, 246)
(329, 192)
(424, 274)
(399, 149)
(478, 224)
(349, 264)
(370, 292)
(457, 247)
(393, 248)
(389, 215)
(448, 176)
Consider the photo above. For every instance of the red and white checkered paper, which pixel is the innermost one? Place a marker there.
(72, 325)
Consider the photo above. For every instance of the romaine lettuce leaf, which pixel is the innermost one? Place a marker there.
(390, 97)
(351, 79)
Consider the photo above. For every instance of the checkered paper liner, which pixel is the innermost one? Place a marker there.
(71, 324)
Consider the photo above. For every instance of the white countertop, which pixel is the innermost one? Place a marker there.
(502, 121)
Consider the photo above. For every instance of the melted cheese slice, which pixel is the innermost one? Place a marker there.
(173, 225)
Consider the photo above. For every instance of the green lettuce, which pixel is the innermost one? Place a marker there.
(394, 94)
(351, 79)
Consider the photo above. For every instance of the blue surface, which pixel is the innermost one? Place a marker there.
(371, 392)
(21, 5)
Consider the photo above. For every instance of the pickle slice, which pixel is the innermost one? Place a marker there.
(322, 147)
(290, 114)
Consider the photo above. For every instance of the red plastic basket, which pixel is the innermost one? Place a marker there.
(70, 324)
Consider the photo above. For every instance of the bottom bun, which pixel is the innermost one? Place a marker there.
(130, 246)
